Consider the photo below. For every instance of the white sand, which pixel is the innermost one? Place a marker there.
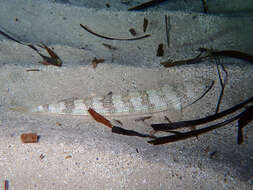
(100, 159)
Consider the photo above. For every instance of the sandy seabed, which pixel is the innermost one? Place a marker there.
(75, 152)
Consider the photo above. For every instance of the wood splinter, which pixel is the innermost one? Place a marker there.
(29, 137)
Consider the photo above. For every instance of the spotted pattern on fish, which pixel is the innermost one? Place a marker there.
(137, 102)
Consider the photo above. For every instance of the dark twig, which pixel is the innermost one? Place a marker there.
(110, 38)
(18, 41)
(110, 47)
(10, 37)
(146, 5)
(145, 24)
(99, 118)
(210, 54)
(223, 82)
(194, 60)
(52, 60)
(229, 53)
(247, 116)
(28, 70)
(207, 90)
(126, 132)
(190, 134)
(181, 124)
(6, 185)
(205, 7)
(143, 118)
(167, 29)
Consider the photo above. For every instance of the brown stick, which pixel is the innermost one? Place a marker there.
(194, 60)
(230, 53)
(6, 185)
(167, 29)
(99, 118)
(110, 38)
(146, 5)
(186, 135)
(181, 124)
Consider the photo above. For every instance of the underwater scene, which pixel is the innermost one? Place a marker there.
(126, 94)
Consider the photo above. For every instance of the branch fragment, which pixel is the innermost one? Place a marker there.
(191, 123)
(99, 118)
(186, 135)
(52, 60)
(146, 5)
(110, 38)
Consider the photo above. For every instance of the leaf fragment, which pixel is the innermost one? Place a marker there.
(99, 118)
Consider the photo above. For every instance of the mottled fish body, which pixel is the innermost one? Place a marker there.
(130, 103)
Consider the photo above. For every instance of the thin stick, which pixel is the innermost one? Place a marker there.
(110, 38)
(204, 2)
(210, 54)
(126, 132)
(190, 123)
(10, 37)
(229, 53)
(223, 82)
(186, 135)
(18, 41)
(247, 117)
(207, 90)
(194, 60)
(28, 70)
(6, 185)
(146, 5)
(167, 28)
(52, 60)
(99, 118)
(143, 118)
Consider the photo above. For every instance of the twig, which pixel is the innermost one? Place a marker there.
(99, 118)
(52, 60)
(18, 41)
(167, 29)
(146, 5)
(190, 134)
(160, 51)
(145, 24)
(118, 121)
(122, 131)
(210, 54)
(204, 2)
(194, 60)
(110, 38)
(223, 82)
(142, 118)
(6, 185)
(229, 53)
(28, 70)
(109, 46)
(247, 116)
(96, 61)
(190, 123)
(207, 90)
